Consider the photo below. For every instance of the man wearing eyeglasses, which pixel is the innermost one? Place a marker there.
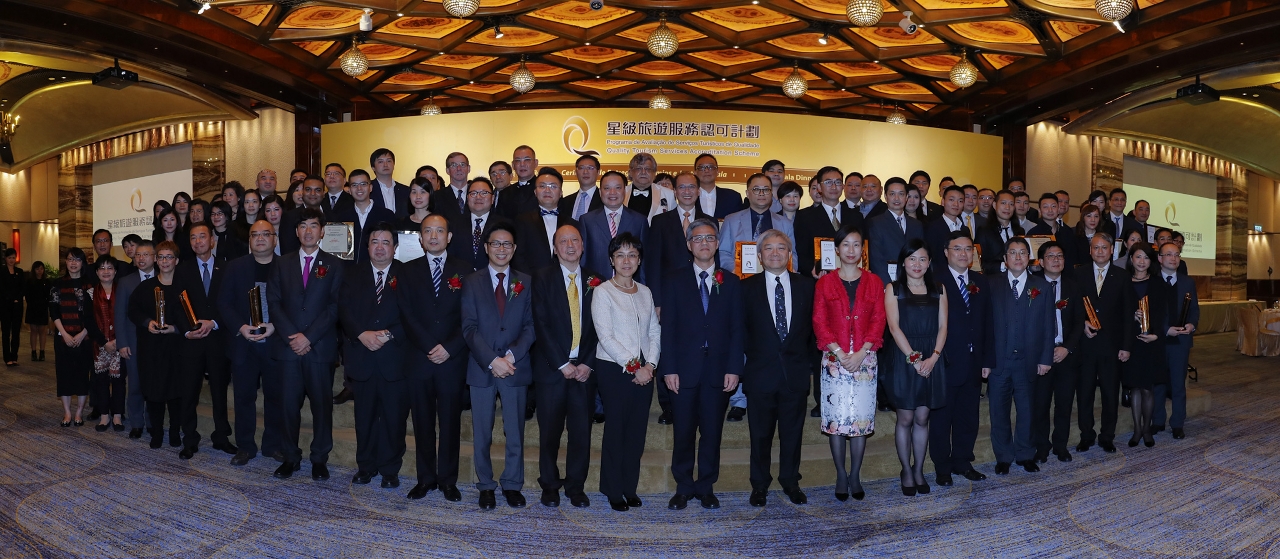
(587, 169)
(335, 198)
(363, 212)
(1058, 388)
(645, 197)
(822, 220)
(450, 201)
(986, 199)
(524, 166)
(470, 229)
(537, 227)
(715, 201)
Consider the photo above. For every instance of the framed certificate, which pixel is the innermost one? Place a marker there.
(976, 265)
(338, 239)
(746, 259)
(825, 250)
(1036, 241)
(409, 246)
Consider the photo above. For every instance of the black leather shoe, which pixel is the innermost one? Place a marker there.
(858, 495)
(390, 481)
(529, 413)
(759, 498)
(226, 447)
(736, 414)
(135, 433)
(678, 502)
(842, 497)
(1083, 446)
(102, 427)
(580, 500)
(816, 411)
(1042, 457)
(362, 478)
(1029, 465)
(1179, 434)
(175, 439)
(1064, 456)
(487, 500)
(278, 456)
(664, 418)
(550, 498)
(117, 426)
(420, 490)
(1156, 429)
(343, 397)
(319, 472)
(515, 499)
(187, 453)
(451, 493)
(923, 488)
(1108, 447)
(1002, 468)
(709, 501)
(285, 471)
(943, 480)
(94, 415)
(619, 505)
(796, 495)
(597, 418)
(974, 475)
(241, 458)
(1133, 441)
(157, 442)
(78, 423)
(633, 501)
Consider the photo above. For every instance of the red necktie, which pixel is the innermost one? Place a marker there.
(500, 294)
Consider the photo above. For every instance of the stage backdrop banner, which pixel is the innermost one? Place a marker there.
(125, 189)
(742, 142)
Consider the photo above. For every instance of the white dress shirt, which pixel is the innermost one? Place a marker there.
(953, 223)
(900, 217)
(771, 281)
(302, 258)
(363, 215)
(1056, 285)
(833, 212)
(707, 200)
(1022, 282)
(711, 276)
(549, 223)
(388, 194)
(386, 273)
(471, 221)
(145, 275)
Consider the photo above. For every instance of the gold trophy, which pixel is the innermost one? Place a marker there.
(1144, 315)
(1092, 315)
(255, 311)
(190, 312)
(160, 308)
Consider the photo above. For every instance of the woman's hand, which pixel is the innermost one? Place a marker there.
(854, 361)
(111, 346)
(67, 339)
(925, 368)
(644, 375)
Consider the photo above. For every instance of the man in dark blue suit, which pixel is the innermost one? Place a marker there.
(937, 231)
(537, 227)
(204, 350)
(250, 352)
(1021, 347)
(889, 231)
(1059, 386)
(451, 201)
(362, 212)
(953, 429)
(497, 323)
(436, 363)
(302, 299)
(1178, 341)
(1101, 351)
(703, 340)
(716, 201)
(1118, 221)
(387, 193)
(1051, 224)
(470, 229)
(600, 226)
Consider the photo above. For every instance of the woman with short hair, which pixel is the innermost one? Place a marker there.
(71, 310)
(108, 384)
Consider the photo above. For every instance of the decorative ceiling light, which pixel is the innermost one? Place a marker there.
(864, 13)
(204, 7)
(663, 41)
(431, 109)
(1113, 10)
(522, 79)
(795, 86)
(497, 31)
(825, 38)
(8, 126)
(964, 73)
(896, 117)
(660, 101)
(354, 63)
(366, 20)
(461, 8)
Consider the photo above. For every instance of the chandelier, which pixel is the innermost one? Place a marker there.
(461, 8)
(864, 13)
(8, 126)
(660, 101)
(354, 63)
(431, 109)
(522, 79)
(1113, 10)
(663, 41)
(896, 117)
(795, 86)
(964, 73)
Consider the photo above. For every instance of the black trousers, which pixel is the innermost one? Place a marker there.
(567, 404)
(626, 411)
(110, 391)
(1056, 389)
(953, 428)
(436, 394)
(155, 411)
(207, 358)
(380, 407)
(251, 374)
(698, 422)
(313, 380)
(10, 330)
(784, 410)
(1099, 372)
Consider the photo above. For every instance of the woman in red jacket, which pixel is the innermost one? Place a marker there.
(849, 321)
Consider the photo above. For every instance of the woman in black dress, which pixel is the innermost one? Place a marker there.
(228, 243)
(915, 379)
(419, 197)
(1146, 366)
(37, 294)
(12, 288)
(71, 310)
(157, 347)
(108, 384)
(168, 228)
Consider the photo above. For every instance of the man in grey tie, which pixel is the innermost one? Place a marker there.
(203, 346)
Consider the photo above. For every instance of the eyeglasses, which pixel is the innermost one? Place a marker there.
(961, 248)
(361, 183)
(166, 257)
(522, 160)
(501, 244)
(588, 168)
(479, 194)
(988, 197)
(703, 239)
(1054, 256)
(706, 167)
(499, 173)
(261, 235)
(832, 182)
(548, 185)
(1018, 253)
(457, 165)
(761, 190)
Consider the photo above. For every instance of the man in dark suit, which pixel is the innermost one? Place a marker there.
(1016, 186)
(144, 258)
(302, 299)
(387, 192)
(1141, 213)
(362, 212)
(779, 352)
(703, 341)
(1118, 221)
(1058, 387)
(312, 197)
(497, 323)
(470, 231)
(335, 198)
(436, 362)
(997, 230)
(970, 216)
(537, 227)
(509, 200)
(451, 201)
(1178, 340)
(204, 348)
(373, 358)
(1021, 348)
(953, 428)
(600, 226)
(888, 232)
(715, 201)
(587, 197)
(929, 210)
(1107, 288)
(524, 163)
(1051, 224)
(870, 204)
(937, 232)
(249, 351)
(822, 220)
(562, 362)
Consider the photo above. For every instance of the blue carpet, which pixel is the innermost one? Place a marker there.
(77, 493)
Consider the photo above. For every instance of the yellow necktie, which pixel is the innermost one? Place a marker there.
(575, 313)
(835, 218)
(1098, 282)
(968, 222)
(684, 224)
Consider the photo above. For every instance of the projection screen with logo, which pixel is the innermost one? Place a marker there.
(126, 188)
(1182, 200)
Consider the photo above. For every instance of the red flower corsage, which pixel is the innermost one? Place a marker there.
(831, 356)
(321, 271)
(455, 282)
(1033, 292)
(1062, 304)
(392, 283)
(593, 282)
(914, 358)
(718, 279)
(516, 289)
(632, 366)
(973, 288)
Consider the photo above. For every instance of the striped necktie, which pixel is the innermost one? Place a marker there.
(437, 272)
(377, 288)
(964, 289)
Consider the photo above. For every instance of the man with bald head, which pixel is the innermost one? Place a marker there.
(265, 183)
(870, 205)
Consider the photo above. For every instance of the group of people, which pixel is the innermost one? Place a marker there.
(529, 303)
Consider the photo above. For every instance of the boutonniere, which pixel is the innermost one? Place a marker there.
(516, 289)
(321, 271)
(1061, 304)
(593, 282)
(914, 358)
(718, 280)
(1033, 293)
(392, 283)
(455, 282)
(973, 289)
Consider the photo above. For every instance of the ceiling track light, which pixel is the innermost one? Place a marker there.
(825, 38)
(497, 31)
(366, 20)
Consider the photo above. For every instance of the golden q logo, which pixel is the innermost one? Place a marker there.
(1170, 214)
(579, 125)
(135, 201)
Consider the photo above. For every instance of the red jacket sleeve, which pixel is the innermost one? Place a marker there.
(823, 329)
(871, 316)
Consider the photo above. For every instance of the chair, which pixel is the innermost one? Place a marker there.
(1252, 336)
(1268, 339)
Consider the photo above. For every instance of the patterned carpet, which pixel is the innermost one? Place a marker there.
(77, 493)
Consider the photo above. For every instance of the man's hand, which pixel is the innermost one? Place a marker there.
(1089, 332)
(299, 344)
(986, 372)
(502, 368)
(673, 383)
(205, 327)
(372, 340)
(268, 327)
(1060, 353)
(730, 383)
(438, 355)
(125, 353)
(569, 371)
(584, 372)
(1043, 370)
(1124, 356)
